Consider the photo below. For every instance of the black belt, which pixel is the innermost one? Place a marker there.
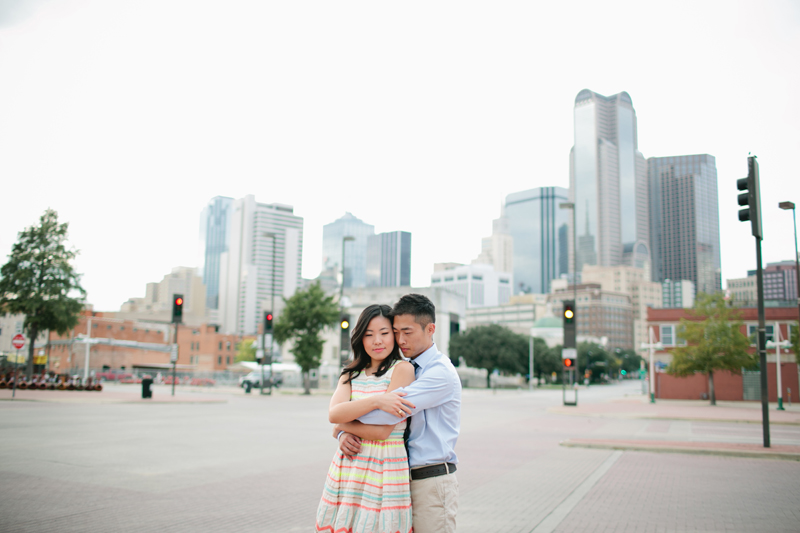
(433, 471)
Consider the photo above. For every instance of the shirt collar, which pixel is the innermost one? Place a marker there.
(426, 357)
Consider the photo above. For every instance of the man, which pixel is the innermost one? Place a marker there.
(435, 418)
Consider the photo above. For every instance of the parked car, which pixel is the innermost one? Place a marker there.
(254, 378)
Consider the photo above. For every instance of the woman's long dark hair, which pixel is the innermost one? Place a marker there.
(361, 358)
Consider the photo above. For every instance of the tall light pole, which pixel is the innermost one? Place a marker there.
(343, 349)
(787, 206)
(571, 205)
(273, 236)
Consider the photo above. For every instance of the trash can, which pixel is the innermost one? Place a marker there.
(247, 387)
(147, 383)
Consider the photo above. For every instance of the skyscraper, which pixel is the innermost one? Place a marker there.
(250, 281)
(534, 221)
(389, 259)
(608, 182)
(355, 252)
(684, 211)
(498, 249)
(214, 227)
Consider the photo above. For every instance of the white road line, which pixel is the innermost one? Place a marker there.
(558, 514)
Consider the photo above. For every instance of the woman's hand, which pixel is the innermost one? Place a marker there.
(394, 403)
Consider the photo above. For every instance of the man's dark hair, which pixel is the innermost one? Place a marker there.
(417, 305)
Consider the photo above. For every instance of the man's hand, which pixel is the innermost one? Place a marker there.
(394, 403)
(350, 445)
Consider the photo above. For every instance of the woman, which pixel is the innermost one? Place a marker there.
(370, 492)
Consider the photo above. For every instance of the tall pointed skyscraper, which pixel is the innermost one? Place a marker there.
(608, 182)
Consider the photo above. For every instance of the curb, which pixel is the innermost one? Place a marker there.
(662, 448)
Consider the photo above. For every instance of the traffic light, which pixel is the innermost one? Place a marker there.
(177, 308)
(569, 324)
(268, 322)
(344, 325)
(751, 197)
(569, 364)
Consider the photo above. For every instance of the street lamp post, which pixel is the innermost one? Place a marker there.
(571, 205)
(343, 349)
(787, 206)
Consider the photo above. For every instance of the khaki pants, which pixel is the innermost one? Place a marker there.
(434, 503)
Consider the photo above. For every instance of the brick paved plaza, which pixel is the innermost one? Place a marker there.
(220, 460)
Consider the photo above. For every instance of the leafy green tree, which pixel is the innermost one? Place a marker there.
(306, 314)
(246, 351)
(592, 356)
(545, 360)
(39, 281)
(714, 342)
(629, 361)
(796, 342)
(491, 347)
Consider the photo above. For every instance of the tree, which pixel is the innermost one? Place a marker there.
(246, 351)
(714, 342)
(306, 314)
(545, 360)
(491, 347)
(39, 281)
(795, 339)
(593, 357)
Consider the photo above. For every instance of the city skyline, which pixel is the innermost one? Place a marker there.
(129, 140)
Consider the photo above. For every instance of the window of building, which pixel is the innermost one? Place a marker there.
(752, 331)
(228, 345)
(228, 360)
(668, 335)
(220, 345)
(219, 360)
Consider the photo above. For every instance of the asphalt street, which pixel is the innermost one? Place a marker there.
(220, 460)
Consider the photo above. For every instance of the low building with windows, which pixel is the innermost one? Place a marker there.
(677, 293)
(781, 324)
(599, 314)
(479, 284)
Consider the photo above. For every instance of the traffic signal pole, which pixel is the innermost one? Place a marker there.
(752, 200)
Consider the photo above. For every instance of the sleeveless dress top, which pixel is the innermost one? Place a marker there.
(369, 493)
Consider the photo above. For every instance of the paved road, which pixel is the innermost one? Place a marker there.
(254, 463)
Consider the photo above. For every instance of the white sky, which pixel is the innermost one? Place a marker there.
(127, 117)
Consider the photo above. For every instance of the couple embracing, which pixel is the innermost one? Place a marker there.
(397, 414)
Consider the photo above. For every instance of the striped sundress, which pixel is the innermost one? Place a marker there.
(369, 493)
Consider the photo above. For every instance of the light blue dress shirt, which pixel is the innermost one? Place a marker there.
(436, 419)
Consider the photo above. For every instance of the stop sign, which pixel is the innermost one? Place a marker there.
(18, 341)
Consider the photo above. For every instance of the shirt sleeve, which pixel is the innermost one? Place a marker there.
(433, 388)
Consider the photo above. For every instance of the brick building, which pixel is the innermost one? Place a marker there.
(129, 344)
(727, 386)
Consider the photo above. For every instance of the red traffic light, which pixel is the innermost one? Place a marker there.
(269, 316)
(179, 301)
(567, 362)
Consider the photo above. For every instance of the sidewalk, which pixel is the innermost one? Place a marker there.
(699, 410)
(684, 426)
(131, 394)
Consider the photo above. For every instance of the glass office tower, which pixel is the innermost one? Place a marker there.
(684, 210)
(537, 226)
(355, 254)
(608, 181)
(389, 259)
(214, 236)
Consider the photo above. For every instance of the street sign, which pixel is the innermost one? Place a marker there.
(569, 353)
(173, 354)
(18, 341)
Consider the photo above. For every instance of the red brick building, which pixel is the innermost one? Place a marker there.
(727, 386)
(130, 344)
